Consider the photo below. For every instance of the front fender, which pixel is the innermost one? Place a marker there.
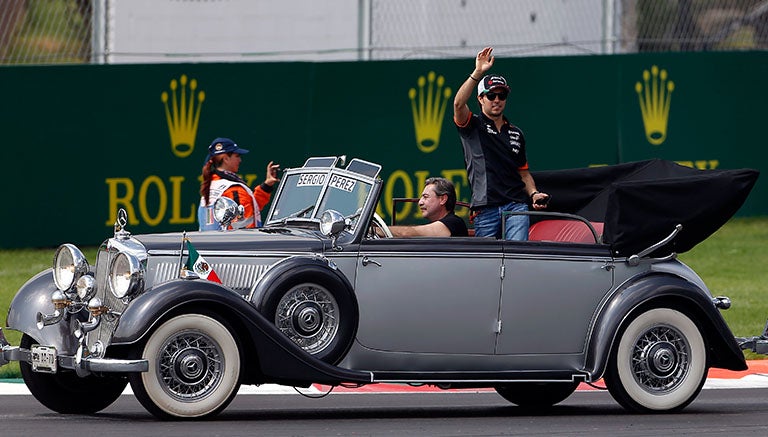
(143, 312)
(663, 290)
(35, 297)
(280, 360)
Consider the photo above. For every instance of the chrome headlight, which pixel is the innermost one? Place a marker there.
(69, 264)
(126, 276)
(331, 222)
(86, 287)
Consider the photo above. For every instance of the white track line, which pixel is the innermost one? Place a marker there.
(17, 387)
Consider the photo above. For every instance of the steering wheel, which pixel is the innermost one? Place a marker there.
(378, 222)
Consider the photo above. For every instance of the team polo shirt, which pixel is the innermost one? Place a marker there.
(493, 159)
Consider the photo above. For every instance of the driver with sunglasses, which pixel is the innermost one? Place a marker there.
(494, 153)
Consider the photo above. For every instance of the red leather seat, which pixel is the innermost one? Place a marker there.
(572, 231)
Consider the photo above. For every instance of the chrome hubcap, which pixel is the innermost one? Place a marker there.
(190, 366)
(307, 318)
(660, 359)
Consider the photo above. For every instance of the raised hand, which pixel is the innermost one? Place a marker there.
(272, 170)
(484, 60)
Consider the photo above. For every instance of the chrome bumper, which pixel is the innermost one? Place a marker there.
(99, 365)
(757, 344)
(6, 350)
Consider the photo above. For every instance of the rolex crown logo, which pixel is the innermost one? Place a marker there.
(182, 114)
(428, 105)
(655, 94)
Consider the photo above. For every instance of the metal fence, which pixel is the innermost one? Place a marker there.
(45, 31)
(77, 31)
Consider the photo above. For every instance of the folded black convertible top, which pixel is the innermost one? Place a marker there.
(641, 202)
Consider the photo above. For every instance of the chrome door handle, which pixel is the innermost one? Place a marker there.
(367, 261)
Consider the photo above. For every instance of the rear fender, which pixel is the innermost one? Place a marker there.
(662, 290)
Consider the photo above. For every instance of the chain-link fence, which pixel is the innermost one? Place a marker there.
(45, 31)
(432, 28)
(692, 25)
(83, 31)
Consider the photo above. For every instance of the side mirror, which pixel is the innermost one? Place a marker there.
(226, 211)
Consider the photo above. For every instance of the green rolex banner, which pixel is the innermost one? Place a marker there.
(199, 265)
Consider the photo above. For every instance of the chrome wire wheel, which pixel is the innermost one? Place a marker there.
(190, 365)
(660, 359)
(194, 368)
(308, 314)
(660, 363)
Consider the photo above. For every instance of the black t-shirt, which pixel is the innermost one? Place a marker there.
(455, 224)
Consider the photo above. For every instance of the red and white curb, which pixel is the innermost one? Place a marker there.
(755, 377)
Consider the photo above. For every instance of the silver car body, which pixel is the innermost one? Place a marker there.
(462, 312)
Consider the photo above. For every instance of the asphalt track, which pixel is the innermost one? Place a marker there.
(732, 403)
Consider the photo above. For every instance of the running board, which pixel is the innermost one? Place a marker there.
(479, 377)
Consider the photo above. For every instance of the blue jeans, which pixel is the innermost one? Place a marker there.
(488, 222)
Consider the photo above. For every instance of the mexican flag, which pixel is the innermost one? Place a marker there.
(199, 265)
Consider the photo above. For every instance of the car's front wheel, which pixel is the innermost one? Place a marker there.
(659, 363)
(537, 394)
(194, 368)
(66, 393)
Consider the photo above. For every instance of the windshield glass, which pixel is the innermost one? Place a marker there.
(300, 192)
(307, 194)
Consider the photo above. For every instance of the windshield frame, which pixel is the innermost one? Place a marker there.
(334, 180)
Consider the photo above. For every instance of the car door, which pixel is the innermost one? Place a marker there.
(550, 293)
(433, 295)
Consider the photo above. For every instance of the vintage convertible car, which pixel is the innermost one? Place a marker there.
(315, 297)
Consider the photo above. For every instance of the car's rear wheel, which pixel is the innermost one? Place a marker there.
(659, 363)
(315, 310)
(537, 394)
(66, 393)
(194, 368)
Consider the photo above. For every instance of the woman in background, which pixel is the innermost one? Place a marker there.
(220, 179)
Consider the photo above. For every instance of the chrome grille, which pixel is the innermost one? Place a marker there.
(108, 324)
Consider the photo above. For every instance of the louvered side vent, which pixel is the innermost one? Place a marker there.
(239, 277)
(165, 272)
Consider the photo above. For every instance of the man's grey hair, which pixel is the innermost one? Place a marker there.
(443, 187)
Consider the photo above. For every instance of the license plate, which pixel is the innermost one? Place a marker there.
(43, 358)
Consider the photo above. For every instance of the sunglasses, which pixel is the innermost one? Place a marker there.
(492, 96)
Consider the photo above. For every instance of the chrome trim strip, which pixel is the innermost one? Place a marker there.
(507, 256)
(257, 254)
